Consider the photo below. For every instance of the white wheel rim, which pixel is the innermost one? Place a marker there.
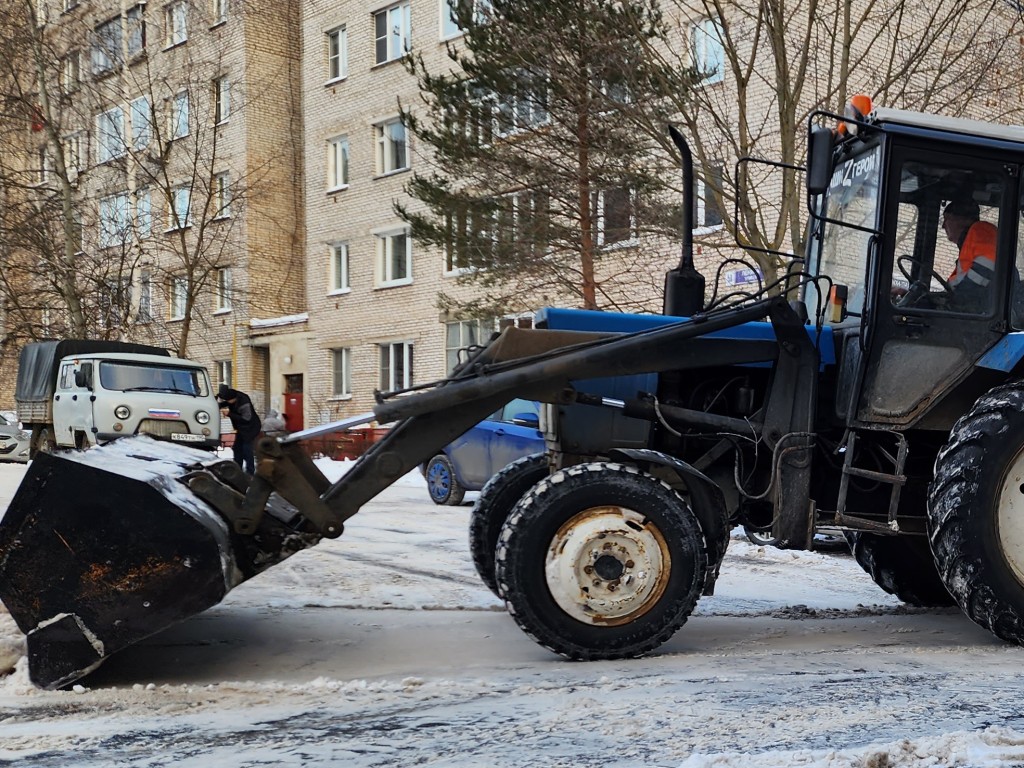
(607, 566)
(1010, 517)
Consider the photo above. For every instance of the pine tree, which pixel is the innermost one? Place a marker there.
(542, 188)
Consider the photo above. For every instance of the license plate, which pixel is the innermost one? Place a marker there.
(187, 437)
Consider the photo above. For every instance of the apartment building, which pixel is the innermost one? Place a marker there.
(172, 130)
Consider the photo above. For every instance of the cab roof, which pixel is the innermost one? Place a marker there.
(959, 125)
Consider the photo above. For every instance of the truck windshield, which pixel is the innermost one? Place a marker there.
(132, 377)
(852, 199)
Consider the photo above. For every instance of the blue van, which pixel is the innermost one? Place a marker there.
(468, 462)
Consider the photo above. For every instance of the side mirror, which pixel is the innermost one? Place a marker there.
(526, 420)
(819, 161)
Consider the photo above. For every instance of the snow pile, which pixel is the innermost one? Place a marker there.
(12, 642)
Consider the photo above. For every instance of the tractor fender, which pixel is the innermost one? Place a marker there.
(706, 497)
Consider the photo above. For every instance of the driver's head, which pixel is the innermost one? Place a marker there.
(957, 218)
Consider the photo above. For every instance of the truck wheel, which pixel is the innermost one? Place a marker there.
(601, 561)
(441, 482)
(42, 441)
(901, 565)
(976, 512)
(496, 501)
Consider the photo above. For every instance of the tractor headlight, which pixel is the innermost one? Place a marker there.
(122, 412)
(202, 417)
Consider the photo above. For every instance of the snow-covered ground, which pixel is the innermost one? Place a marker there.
(382, 648)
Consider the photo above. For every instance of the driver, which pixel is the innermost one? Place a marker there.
(976, 240)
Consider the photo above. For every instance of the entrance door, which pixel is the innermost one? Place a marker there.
(293, 408)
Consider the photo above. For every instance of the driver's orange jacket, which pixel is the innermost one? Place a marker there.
(977, 260)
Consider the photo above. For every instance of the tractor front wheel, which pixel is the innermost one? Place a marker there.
(496, 501)
(601, 561)
(976, 512)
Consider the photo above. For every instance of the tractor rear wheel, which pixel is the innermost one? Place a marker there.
(976, 512)
(901, 565)
(601, 561)
(496, 501)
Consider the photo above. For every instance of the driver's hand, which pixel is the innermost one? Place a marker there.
(897, 293)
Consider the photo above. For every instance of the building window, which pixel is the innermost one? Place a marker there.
(178, 116)
(109, 135)
(224, 289)
(106, 48)
(145, 296)
(395, 366)
(143, 213)
(707, 214)
(71, 70)
(337, 163)
(219, 11)
(175, 22)
(224, 372)
(73, 155)
(449, 26)
(614, 216)
(462, 334)
(179, 209)
(142, 122)
(179, 297)
(392, 149)
(708, 51)
(337, 54)
(394, 258)
(45, 166)
(77, 232)
(221, 100)
(70, 5)
(135, 30)
(392, 32)
(222, 196)
(526, 108)
(341, 366)
(113, 220)
(339, 268)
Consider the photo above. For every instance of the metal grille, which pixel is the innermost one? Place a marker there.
(162, 427)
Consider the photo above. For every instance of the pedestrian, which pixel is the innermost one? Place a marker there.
(237, 406)
(273, 424)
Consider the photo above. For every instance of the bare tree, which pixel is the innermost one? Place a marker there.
(768, 64)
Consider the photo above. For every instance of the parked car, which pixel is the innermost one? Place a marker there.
(467, 463)
(14, 441)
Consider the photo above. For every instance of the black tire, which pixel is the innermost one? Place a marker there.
(760, 538)
(599, 505)
(902, 566)
(442, 485)
(42, 441)
(976, 512)
(496, 501)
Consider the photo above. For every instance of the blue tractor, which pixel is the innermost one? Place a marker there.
(876, 389)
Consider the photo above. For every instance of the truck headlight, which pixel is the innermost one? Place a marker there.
(202, 417)
(122, 412)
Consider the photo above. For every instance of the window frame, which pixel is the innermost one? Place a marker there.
(136, 130)
(143, 231)
(708, 47)
(384, 148)
(108, 237)
(388, 369)
(222, 195)
(221, 99)
(601, 219)
(175, 35)
(218, 11)
(388, 39)
(339, 58)
(178, 116)
(384, 246)
(106, 58)
(223, 288)
(177, 295)
(102, 147)
(339, 275)
(175, 219)
(341, 369)
(336, 145)
(701, 209)
(482, 325)
(145, 311)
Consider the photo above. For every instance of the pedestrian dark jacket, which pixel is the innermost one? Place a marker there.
(243, 416)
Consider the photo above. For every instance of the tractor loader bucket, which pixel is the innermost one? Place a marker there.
(102, 548)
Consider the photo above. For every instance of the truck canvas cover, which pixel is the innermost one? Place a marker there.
(37, 366)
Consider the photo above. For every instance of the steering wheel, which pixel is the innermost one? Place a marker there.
(918, 287)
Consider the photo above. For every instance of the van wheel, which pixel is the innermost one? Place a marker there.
(42, 441)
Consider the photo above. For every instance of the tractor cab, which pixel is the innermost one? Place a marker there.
(916, 223)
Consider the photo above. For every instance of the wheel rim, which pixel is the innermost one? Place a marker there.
(439, 481)
(607, 566)
(1010, 516)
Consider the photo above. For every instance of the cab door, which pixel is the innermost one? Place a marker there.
(922, 336)
(72, 402)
